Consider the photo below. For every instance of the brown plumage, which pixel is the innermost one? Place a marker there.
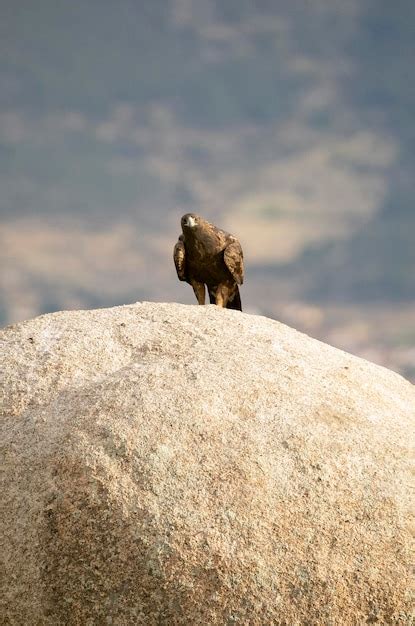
(206, 255)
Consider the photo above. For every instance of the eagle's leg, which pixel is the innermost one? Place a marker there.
(222, 296)
(199, 289)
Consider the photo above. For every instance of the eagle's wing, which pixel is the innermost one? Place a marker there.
(179, 256)
(234, 260)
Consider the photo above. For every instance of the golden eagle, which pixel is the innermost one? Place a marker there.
(206, 255)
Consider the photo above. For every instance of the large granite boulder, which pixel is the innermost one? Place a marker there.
(169, 464)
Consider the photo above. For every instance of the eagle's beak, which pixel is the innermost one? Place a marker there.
(190, 221)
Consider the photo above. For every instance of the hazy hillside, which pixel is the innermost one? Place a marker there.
(290, 124)
(376, 264)
(378, 261)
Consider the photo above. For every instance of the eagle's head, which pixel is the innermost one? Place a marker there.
(190, 220)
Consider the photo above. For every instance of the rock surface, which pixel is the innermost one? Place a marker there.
(170, 464)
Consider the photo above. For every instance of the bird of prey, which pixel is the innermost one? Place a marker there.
(206, 255)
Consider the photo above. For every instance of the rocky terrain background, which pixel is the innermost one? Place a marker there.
(172, 464)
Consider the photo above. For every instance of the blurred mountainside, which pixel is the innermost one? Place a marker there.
(289, 124)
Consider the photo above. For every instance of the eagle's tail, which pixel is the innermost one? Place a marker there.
(236, 302)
